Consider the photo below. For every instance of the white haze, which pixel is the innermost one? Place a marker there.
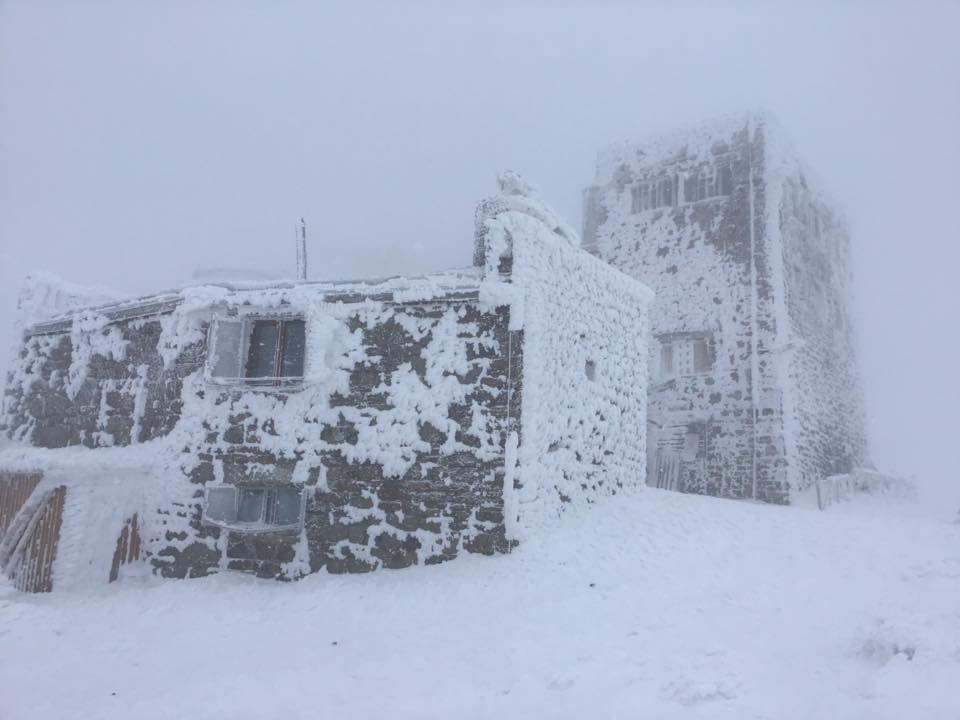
(140, 142)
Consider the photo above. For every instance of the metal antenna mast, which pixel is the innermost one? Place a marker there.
(301, 237)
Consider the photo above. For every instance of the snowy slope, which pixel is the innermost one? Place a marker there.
(654, 605)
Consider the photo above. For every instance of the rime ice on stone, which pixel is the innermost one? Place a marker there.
(755, 388)
(285, 428)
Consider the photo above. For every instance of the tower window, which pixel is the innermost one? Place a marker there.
(666, 361)
(685, 354)
(653, 194)
(702, 362)
(708, 181)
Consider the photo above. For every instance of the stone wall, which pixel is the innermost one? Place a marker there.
(763, 270)
(707, 260)
(398, 435)
(824, 378)
(585, 348)
(119, 394)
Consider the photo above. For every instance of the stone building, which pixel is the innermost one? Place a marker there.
(754, 389)
(280, 429)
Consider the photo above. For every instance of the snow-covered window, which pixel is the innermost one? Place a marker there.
(708, 181)
(590, 369)
(694, 445)
(685, 354)
(653, 194)
(666, 361)
(257, 351)
(255, 508)
(724, 178)
(665, 195)
(702, 361)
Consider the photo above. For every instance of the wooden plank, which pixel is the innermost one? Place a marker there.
(15, 488)
(128, 547)
(32, 571)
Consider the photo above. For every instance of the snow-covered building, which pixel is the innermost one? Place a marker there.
(754, 390)
(283, 428)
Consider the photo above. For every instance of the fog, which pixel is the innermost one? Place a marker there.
(140, 142)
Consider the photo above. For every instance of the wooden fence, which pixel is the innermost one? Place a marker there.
(15, 488)
(34, 543)
(31, 519)
(128, 547)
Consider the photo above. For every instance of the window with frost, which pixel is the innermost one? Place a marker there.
(654, 194)
(243, 508)
(685, 354)
(708, 181)
(257, 351)
(666, 361)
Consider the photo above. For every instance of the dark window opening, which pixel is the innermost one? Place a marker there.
(724, 179)
(666, 360)
(591, 370)
(702, 360)
(276, 352)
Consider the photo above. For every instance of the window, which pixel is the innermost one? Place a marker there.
(692, 444)
(685, 354)
(654, 194)
(702, 362)
(666, 361)
(590, 368)
(255, 509)
(708, 181)
(724, 178)
(257, 351)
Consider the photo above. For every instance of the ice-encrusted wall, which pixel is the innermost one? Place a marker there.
(454, 412)
(707, 260)
(823, 378)
(399, 433)
(707, 217)
(585, 347)
(98, 383)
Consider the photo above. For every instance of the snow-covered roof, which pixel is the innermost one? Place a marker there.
(449, 284)
(693, 142)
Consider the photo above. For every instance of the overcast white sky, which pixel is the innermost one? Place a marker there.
(140, 141)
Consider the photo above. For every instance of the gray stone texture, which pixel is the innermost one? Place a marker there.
(358, 516)
(717, 270)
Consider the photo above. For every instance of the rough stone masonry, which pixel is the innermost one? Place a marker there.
(755, 390)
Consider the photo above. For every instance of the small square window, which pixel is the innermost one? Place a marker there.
(286, 506)
(702, 359)
(590, 368)
(250, 505)
(221, 505)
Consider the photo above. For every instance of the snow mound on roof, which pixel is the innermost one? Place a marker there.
(44, 295)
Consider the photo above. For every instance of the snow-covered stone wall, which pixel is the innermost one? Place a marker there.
(677, 214)
(97, 383)
(585, 346)
(430, 416)
(822, 374)
(398, 433)
(736, 407)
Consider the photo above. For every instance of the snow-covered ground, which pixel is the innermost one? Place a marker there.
(657, 605)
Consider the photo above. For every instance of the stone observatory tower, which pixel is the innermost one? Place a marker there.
(755, 390)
